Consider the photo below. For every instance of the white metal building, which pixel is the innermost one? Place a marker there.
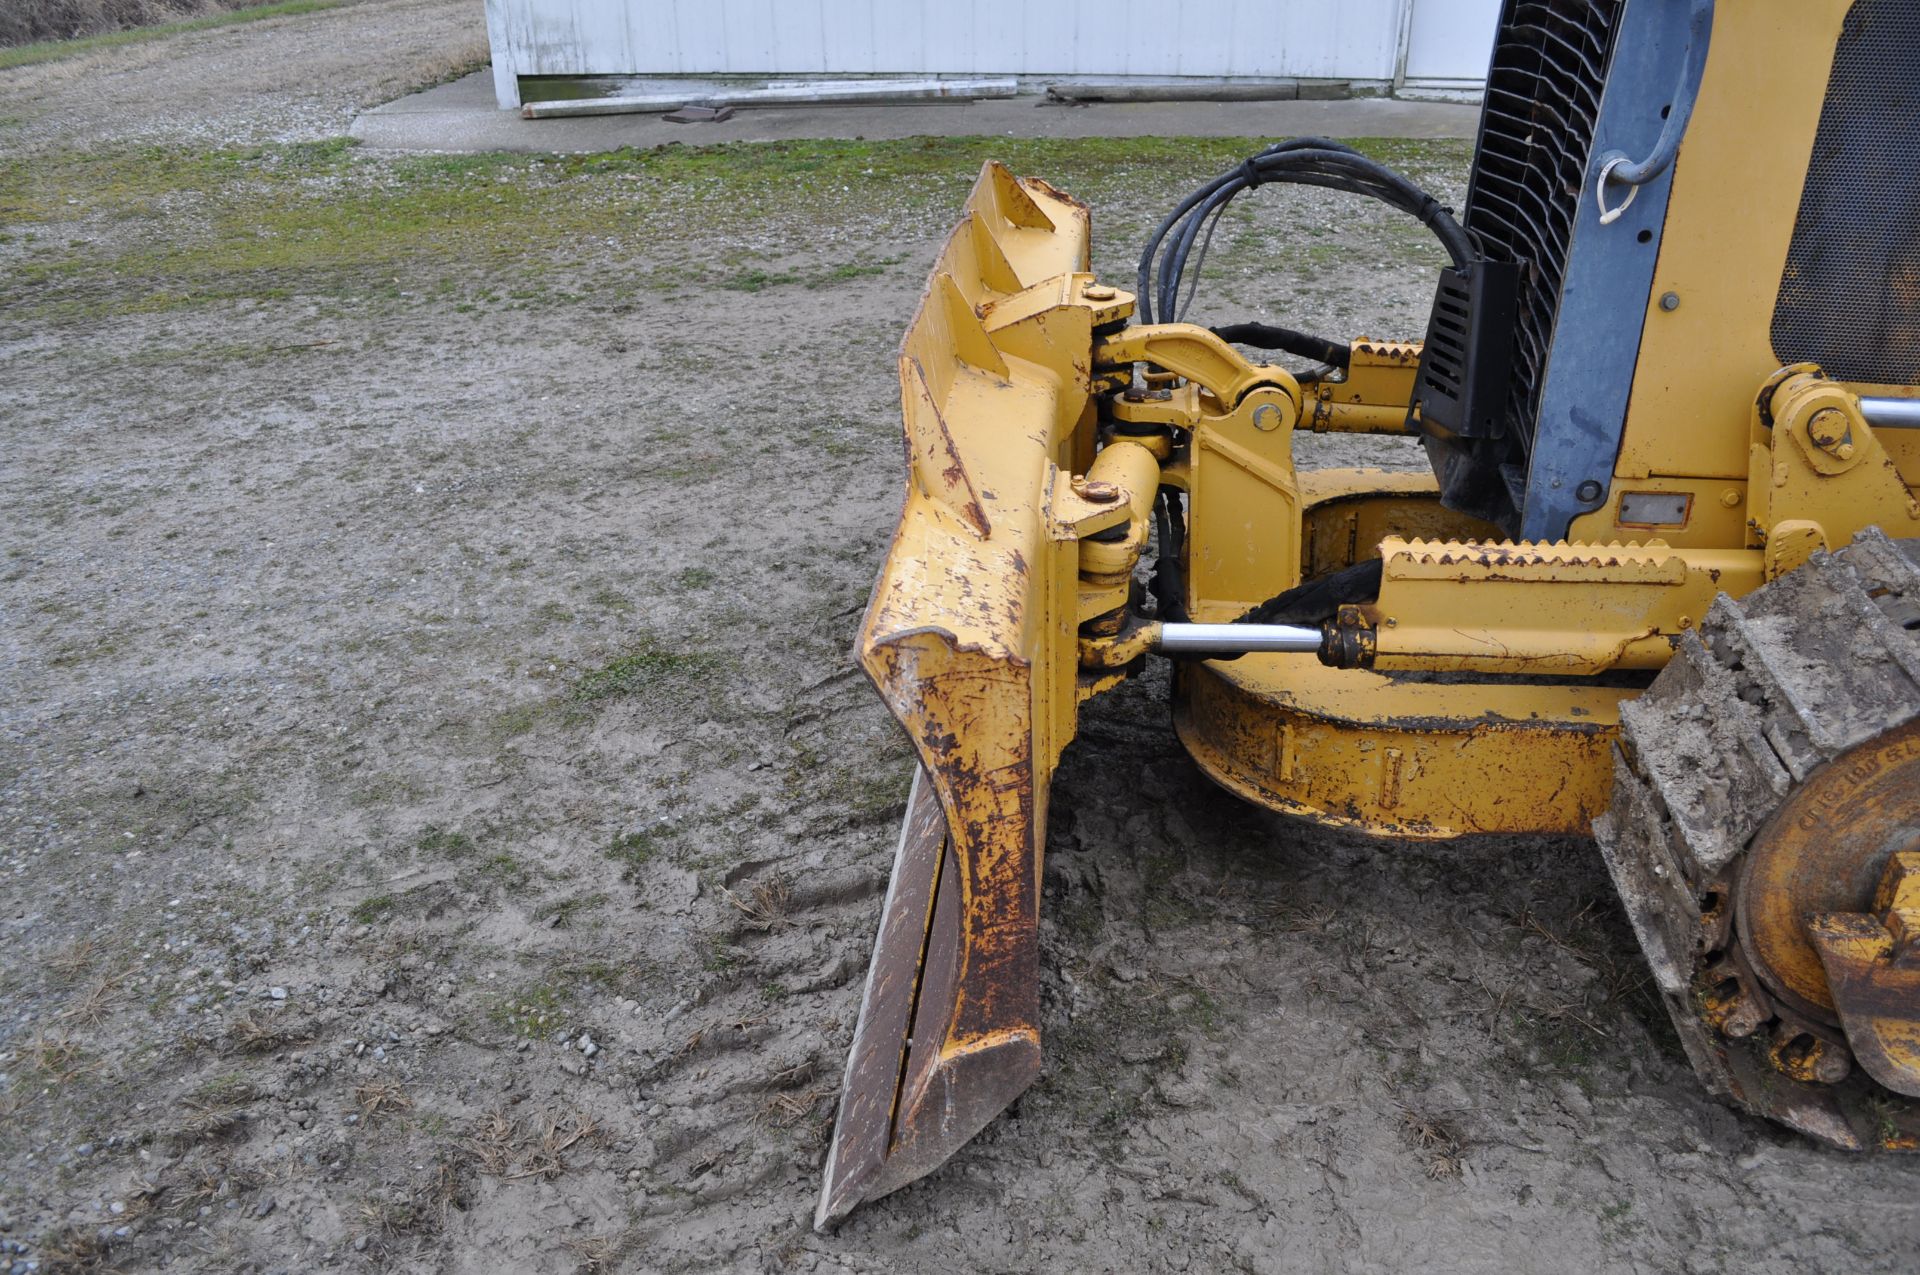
(1393, 43)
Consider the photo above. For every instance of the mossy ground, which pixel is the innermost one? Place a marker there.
(97, 234)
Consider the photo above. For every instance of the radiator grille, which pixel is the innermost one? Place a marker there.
(1543, 96)
(1850, 297)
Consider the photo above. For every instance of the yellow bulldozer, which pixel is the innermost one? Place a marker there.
(1659, 586)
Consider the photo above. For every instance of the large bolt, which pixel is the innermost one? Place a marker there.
(1831, 431)
(1096, 491)
(1745, 1017)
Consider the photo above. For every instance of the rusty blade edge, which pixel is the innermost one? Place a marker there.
(869, 1095)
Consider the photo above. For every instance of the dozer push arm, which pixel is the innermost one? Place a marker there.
(1558, 609)
(1370, 396)
(1189, 352)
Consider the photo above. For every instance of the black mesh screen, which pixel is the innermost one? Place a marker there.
(1850, 296)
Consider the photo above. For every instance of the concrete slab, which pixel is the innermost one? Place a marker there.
(461, 116)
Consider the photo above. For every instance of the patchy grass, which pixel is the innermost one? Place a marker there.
(560, 913)
(649, 665)
(444, 843)
(533, 1011)
(377, 908)
(694, 578)
(610, 599)
(1172, 898)
(54, 50)
(515, 722)
(503, 870)
(1148, 1022)
(171, 228)
(848, 271)
(635, 850)
(755, 280)
(722, 957)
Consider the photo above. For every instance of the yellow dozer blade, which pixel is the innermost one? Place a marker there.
(971, 639)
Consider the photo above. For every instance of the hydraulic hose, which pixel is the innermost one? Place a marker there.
(1268, 336)
(1310, 161)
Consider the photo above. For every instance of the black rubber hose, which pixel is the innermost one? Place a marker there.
(1318, 601)
(1144, 275)
(1254, 171)
(1267, 336)
(1307, 161)
(1350, 174)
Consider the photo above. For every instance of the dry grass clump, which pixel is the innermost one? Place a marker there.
(216, 1110)
(766, 905)
(91, 1005)
(1436, 1138)
(502, 1148)
(72, 1250)
(595, 1253)
(418, 1209)
(76, 958)
(785, 1110)
(250, 1034)
(57, 1060)
(379, 1097)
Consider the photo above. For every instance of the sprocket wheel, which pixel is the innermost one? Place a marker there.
(1764, 784)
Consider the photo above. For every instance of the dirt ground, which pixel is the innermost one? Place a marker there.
(441, 828)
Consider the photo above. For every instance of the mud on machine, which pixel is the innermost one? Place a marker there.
(1659, 585)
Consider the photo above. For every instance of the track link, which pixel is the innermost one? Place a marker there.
(1772, 688)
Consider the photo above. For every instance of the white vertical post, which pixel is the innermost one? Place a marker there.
(506, 70)
(1405, 42)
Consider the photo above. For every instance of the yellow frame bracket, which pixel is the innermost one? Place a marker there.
(1817, 475)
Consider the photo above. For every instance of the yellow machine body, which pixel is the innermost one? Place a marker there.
(1480, 691)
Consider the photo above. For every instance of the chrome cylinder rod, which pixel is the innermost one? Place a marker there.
(1235, 639)
(1891, 413)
